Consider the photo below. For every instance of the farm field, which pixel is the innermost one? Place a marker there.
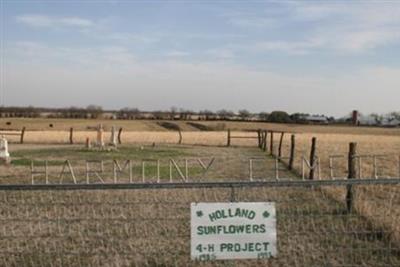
(43, 124)
(152, 227)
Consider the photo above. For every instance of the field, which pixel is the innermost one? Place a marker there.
(151, 227)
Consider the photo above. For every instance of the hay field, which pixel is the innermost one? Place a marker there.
(316, 230)
(152, 227)
(43, 124)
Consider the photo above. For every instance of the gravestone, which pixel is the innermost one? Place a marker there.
(100, 136)
(4, 155)
(113, 138)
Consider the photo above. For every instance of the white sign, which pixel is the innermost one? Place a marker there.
(243, 230)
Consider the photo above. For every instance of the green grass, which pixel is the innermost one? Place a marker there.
(127, 152)
(27, 162)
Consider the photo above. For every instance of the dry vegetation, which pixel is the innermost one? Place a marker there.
(151, 125)
(152, 227)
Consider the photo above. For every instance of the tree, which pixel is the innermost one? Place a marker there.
(279, 116)
(244, 114)
(225, 114)
(263, 116)
(299, 117)
(395, 114)
(128, 113)
(208, 114)
(94, 111)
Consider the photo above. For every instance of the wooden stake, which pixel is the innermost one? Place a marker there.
(71, 135)
(292, 151)
(312, 157)
(280, 145)
(229, 138)
(271, 145)
(119, 136)
(22, 135)
(352, 175)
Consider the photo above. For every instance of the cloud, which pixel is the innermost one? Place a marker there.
(301, 27)
(40, 53)
(221, 53)
(43, 21)
(176, 53)
(115, 72)
(351, 27)
(253, 22)
(289, 47)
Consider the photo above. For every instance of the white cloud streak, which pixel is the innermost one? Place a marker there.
(43, 21)
(120, 80)
(340, 27)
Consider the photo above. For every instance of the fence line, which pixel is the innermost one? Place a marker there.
(283, 182)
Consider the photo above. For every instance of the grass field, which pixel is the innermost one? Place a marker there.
(152, 125)
(151, 227)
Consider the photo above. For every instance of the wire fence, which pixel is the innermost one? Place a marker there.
(149, 224)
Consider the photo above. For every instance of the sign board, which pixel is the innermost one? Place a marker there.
(243, 230)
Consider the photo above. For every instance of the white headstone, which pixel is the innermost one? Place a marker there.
(100, 136)
(113, 139)
(4, 155)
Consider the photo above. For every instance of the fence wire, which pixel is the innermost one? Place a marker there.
(151, 227)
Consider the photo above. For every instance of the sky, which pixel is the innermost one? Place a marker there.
(319, 57)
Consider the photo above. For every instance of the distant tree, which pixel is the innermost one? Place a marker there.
(263, 116)
(128, 113)
(185, 114)
(244, 114)
(378, 118)
(94, 111)
(279, 116)
(208, 114)
(299, 117)
(395, 114)
(224, 114)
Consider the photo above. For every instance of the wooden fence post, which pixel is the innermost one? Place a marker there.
(312, 157)
(259, 138)
(280, 145)
(352, 175)
(264, 140)
(271, 144)
(119, 136)
(71, 135)
(292, 151)
(229, 138)
(22, 135)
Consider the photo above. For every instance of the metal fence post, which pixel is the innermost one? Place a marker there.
(233, 198)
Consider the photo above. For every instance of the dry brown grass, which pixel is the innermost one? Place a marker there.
(42, 124)
(315, 231)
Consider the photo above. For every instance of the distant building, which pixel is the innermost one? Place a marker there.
(316, 119)
(367, 120)
(390, 122)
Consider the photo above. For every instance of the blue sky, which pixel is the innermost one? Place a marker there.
(308, 56)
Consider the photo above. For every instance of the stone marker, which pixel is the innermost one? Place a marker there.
(4, 155)
(100, 136)
(113, 138)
